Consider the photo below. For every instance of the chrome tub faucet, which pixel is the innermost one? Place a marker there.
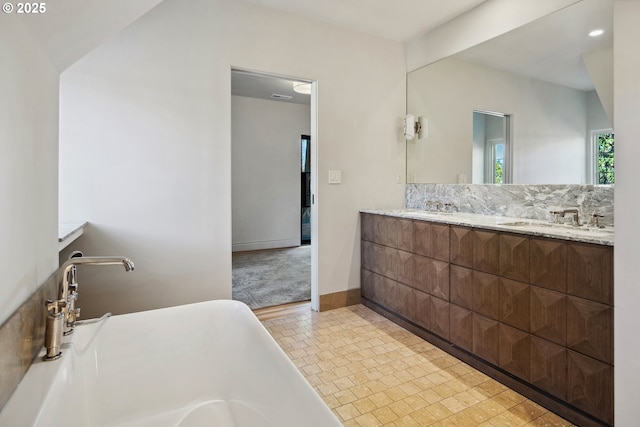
(62, 313)
(72, 313)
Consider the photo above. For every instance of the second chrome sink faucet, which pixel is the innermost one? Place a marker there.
(575, 218)
(62, 313)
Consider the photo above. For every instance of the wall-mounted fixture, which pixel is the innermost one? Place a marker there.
(302, 87)
(413, 127)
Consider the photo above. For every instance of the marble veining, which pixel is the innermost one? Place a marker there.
(516, 200)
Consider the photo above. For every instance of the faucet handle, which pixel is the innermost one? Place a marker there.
(53, 328)
(449, 207)
(594, 220)
(55, 307)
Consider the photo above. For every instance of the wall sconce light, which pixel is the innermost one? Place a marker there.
(413, 127)
(302, 87)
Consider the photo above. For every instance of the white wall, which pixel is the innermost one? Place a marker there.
(146, 145)
(546, 119)
(265, 172)
(596, 117)
(477, 155)
(28, 166)
(599, 64)
(627, 242)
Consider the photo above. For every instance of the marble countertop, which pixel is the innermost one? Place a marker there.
(533, 227)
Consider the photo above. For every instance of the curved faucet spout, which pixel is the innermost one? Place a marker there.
(63, 272)
(62, 314)
(100, 260)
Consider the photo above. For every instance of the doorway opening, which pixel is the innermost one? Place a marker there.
(273, 154)
(305, 190)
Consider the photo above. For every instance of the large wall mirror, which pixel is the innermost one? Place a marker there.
(533, 106)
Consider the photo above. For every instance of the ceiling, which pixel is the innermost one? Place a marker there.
(548, 49)
(70, 29)
(399, 20)
(263, 87)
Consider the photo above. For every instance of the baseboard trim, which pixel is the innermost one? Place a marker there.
(339, 299)
(283, 310)
(268, 244)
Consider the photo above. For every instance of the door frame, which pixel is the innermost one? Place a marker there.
(313, 125)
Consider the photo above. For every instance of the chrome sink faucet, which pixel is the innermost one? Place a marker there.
(433, 205)
(575, 220)
(595, 220)
(62, 313)
(450, 208)
(556, 216)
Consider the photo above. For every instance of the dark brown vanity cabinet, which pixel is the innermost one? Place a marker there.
(533, 308)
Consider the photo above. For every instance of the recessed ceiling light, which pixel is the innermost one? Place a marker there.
(596, 33)
(302, 87)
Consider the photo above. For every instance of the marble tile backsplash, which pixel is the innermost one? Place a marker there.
(22, 337)
(515, 200)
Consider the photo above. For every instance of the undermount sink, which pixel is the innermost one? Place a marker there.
(566, 229)
(210, 363)
(525, 224)
(413, 212)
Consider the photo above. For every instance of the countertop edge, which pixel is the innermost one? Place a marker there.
(67, 233)
(491, 222)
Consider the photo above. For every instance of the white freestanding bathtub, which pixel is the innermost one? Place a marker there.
(204, 364)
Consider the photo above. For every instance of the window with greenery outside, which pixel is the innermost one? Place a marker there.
(606, 168)
(498, 172)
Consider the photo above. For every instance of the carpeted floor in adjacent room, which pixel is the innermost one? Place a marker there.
(272, 277)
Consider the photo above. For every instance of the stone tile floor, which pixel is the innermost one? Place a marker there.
(372, 372)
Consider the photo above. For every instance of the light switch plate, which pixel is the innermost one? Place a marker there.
(335, 177)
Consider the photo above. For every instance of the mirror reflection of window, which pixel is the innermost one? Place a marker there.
(603, 162)
(491, 148)
(496, 162)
